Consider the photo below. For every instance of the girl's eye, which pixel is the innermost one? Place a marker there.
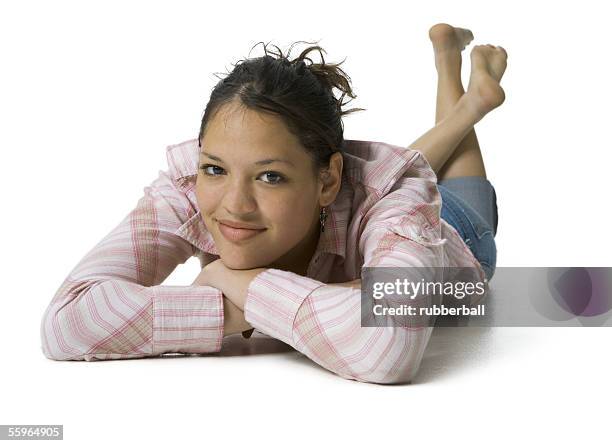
(206, 166)
(279, 178)
(276, 178)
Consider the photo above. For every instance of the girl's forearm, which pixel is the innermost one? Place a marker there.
(235, 322)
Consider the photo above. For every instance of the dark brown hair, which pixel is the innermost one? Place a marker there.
(300, 94)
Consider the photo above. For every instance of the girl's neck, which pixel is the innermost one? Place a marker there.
(298, 259)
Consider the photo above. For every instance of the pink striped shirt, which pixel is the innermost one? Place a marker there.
(112, 304)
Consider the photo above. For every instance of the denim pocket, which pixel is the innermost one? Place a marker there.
(480, 227)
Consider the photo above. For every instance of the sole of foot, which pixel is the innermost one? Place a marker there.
(488, 66)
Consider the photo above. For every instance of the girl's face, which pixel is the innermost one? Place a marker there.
(253, 171)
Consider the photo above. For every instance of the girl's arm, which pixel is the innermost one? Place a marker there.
(112, 306)
(323, 321)
(234, 284)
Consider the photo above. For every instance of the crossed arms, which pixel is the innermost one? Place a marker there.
(112, 304)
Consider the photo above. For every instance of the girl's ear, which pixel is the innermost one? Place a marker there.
(331, 179)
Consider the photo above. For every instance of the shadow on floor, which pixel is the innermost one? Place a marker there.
(453, 349)
(257, 344)
(449, 351)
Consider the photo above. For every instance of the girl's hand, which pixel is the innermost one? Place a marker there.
(210, 274)
(233, 283)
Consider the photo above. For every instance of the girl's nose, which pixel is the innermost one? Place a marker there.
(239, 201)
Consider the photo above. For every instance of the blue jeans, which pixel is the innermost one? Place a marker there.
(469, 204)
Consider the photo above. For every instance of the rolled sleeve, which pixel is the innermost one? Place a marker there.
(187, 319)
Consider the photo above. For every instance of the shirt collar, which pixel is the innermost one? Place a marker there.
(195, 232)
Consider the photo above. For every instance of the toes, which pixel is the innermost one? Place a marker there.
(477, 48)
(466, 34)
(467, 37)
(493, 47)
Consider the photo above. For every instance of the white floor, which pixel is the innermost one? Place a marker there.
(475, 385)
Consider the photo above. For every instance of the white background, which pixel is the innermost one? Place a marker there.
(90, 96)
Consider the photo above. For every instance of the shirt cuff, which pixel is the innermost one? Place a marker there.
(187, 319)
(273, 299)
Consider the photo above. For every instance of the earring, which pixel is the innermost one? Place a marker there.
(322, 218)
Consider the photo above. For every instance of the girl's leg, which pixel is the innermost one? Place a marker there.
(451, 146)
(448, 43)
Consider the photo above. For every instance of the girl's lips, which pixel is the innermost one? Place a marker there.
(237, 235)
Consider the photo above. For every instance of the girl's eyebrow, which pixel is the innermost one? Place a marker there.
(258, 163)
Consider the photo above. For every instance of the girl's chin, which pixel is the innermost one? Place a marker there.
(240, 263)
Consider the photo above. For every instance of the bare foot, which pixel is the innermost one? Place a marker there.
(444, 37)
(448, 42)
(488, 66)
